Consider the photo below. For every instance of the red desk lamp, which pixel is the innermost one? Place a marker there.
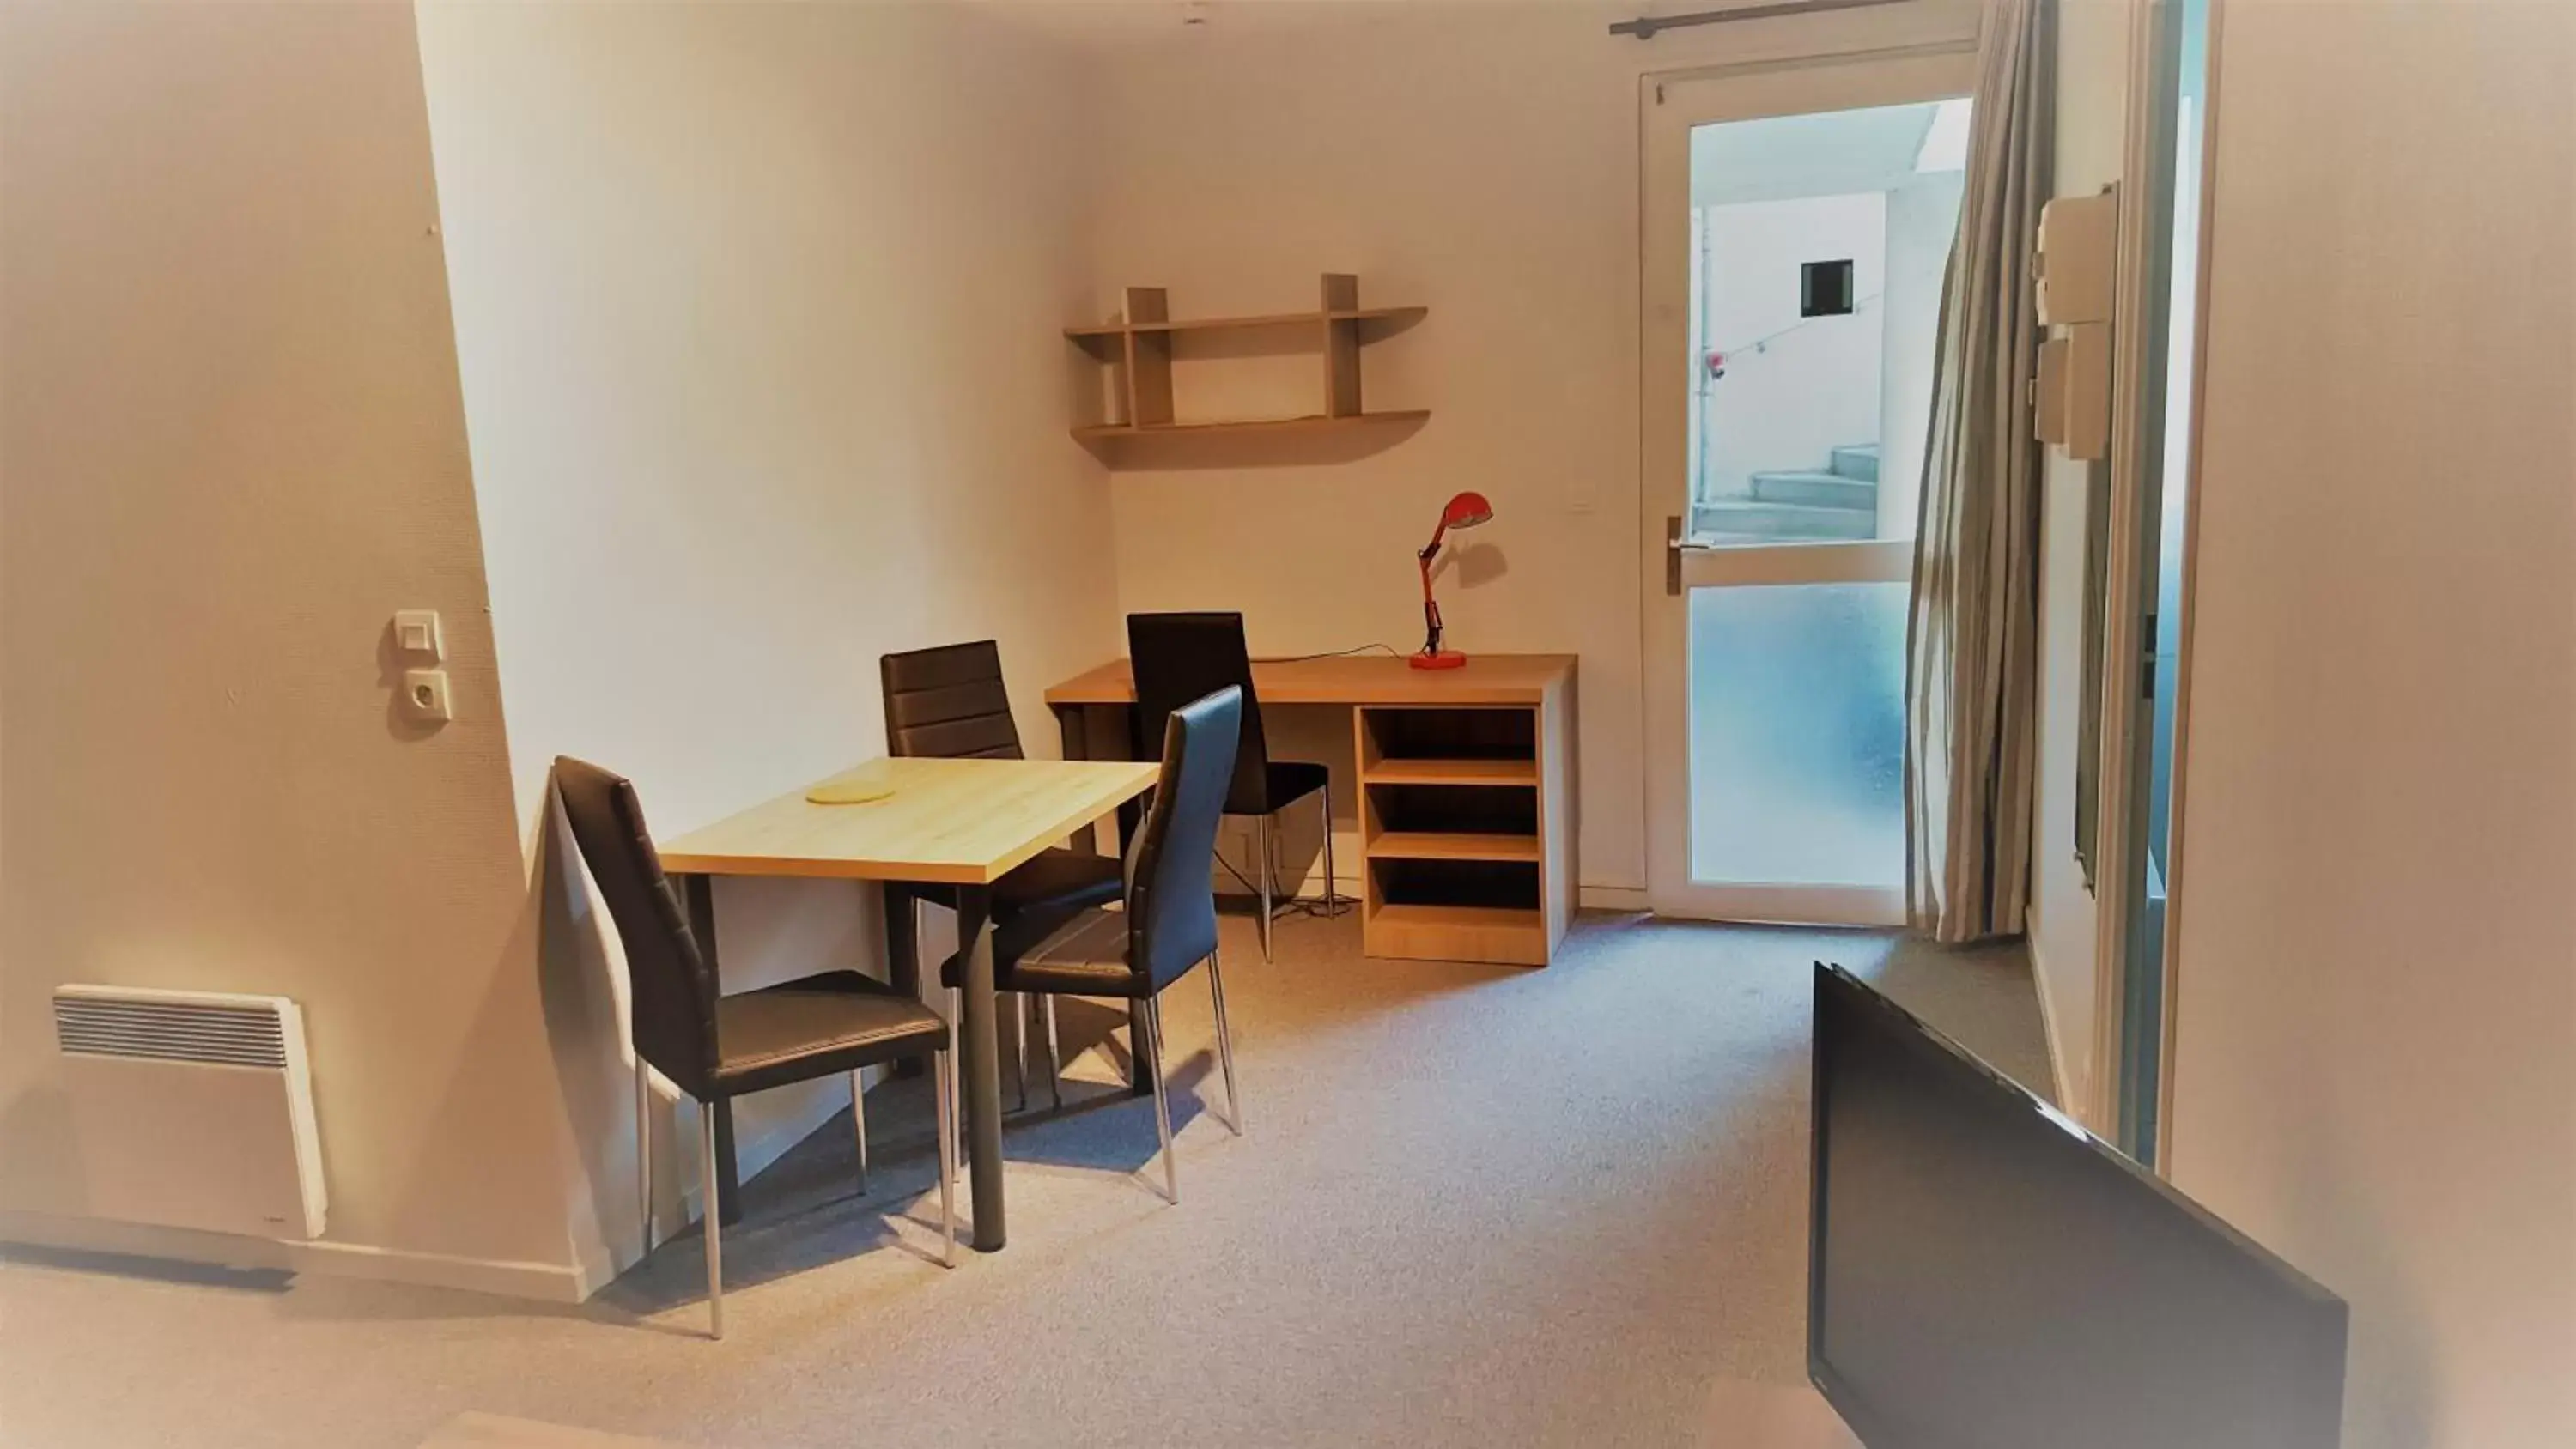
(1464, 511)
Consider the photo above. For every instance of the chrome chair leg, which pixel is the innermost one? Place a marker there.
(1020, 1039)
(1261, 870)
(947, 1095)
(644, 1152)
(1225, 1047)
(710, 1211)
(859, 1125)
(1331, 901)
(956, 1039)
(1162, 1102)
(1055, 1053)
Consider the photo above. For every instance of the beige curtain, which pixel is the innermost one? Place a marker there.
(1972, 655)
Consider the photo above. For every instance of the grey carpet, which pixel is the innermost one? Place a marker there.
(1476, 1206)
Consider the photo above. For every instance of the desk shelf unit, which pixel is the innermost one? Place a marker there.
(1465, 790)
(1465, 829)
(1139, 349)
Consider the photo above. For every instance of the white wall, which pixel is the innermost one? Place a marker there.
(1796, 387)
(1922, 225)
(758, 310)
(2092, 75)
(2375, 1067)
(233, 446)
(1486, 168)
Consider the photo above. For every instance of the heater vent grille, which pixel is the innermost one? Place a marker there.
(244, 1035)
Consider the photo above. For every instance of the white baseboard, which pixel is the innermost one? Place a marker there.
(1612, 898)
(550, 1282)
(2066, 1098)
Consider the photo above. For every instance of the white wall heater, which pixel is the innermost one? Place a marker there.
(192, 1109)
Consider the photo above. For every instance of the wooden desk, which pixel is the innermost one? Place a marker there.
(1487, 679)
(958, 822)
(1467, 804)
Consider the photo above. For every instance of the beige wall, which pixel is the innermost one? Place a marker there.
(2092, 88)
(1479, 160)
(2375, 1066)
(758, 313)
(232, 445)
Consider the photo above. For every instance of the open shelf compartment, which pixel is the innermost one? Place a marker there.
(1452, 824)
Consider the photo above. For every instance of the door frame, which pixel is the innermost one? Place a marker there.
(1669, 105)
(2120, 833)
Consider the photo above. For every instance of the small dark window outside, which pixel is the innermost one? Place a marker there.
(1825, 289)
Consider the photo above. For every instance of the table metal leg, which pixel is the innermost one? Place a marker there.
(983, 1068)
(699, 894)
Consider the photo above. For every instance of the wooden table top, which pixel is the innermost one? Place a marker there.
(957, 822)
(1499, 679)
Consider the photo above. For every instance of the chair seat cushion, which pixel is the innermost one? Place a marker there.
(811, 1027)
(1085, 956)
(1052, 881)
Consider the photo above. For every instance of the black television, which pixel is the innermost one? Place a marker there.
(1985, 1274)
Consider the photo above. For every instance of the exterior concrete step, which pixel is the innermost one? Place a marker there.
(1752, 518)
(1858, 461)
(1817, 490)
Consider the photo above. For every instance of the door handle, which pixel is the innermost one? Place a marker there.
(1674, 547)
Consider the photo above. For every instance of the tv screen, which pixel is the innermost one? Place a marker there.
(1987, 1275)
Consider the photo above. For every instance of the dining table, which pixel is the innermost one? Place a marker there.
(962, 823)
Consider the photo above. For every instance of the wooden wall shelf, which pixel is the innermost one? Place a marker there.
(1139, 349)
(1310, 423)
(1380, 321)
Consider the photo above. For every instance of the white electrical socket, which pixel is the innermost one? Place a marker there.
(425, 694)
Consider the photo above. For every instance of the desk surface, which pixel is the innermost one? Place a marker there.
(959, 822)
(1500, 679)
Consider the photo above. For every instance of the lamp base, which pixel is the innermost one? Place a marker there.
(1440, 659)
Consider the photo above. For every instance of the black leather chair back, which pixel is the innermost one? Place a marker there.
(1178, 658)
(949, 703)
(674, 995)
(1171, 892)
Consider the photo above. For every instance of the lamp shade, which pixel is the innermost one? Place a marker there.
(1466, 511)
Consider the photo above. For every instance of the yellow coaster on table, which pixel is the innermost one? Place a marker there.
(859, 787)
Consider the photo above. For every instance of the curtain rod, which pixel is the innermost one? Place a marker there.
(1645, 27)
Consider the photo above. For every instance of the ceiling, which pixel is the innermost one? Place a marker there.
(1104, 24)
(1835, 153)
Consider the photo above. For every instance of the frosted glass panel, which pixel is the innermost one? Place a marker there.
(1797, 735)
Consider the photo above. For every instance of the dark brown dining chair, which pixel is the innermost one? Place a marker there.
(1165, 924)
(716, 1047)
(950, 703)
(1180, 657)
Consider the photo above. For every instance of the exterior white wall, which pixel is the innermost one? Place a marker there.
(757, 310)
(1795, 387)
(1922, 223)
(233, 447)
(2375, 1033)
(2092, 74)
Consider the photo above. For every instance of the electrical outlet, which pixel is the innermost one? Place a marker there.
(425, 695)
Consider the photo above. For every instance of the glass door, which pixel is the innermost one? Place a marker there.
(1798, 223)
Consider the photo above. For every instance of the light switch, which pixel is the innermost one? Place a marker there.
(425, 694)
(416, 631)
